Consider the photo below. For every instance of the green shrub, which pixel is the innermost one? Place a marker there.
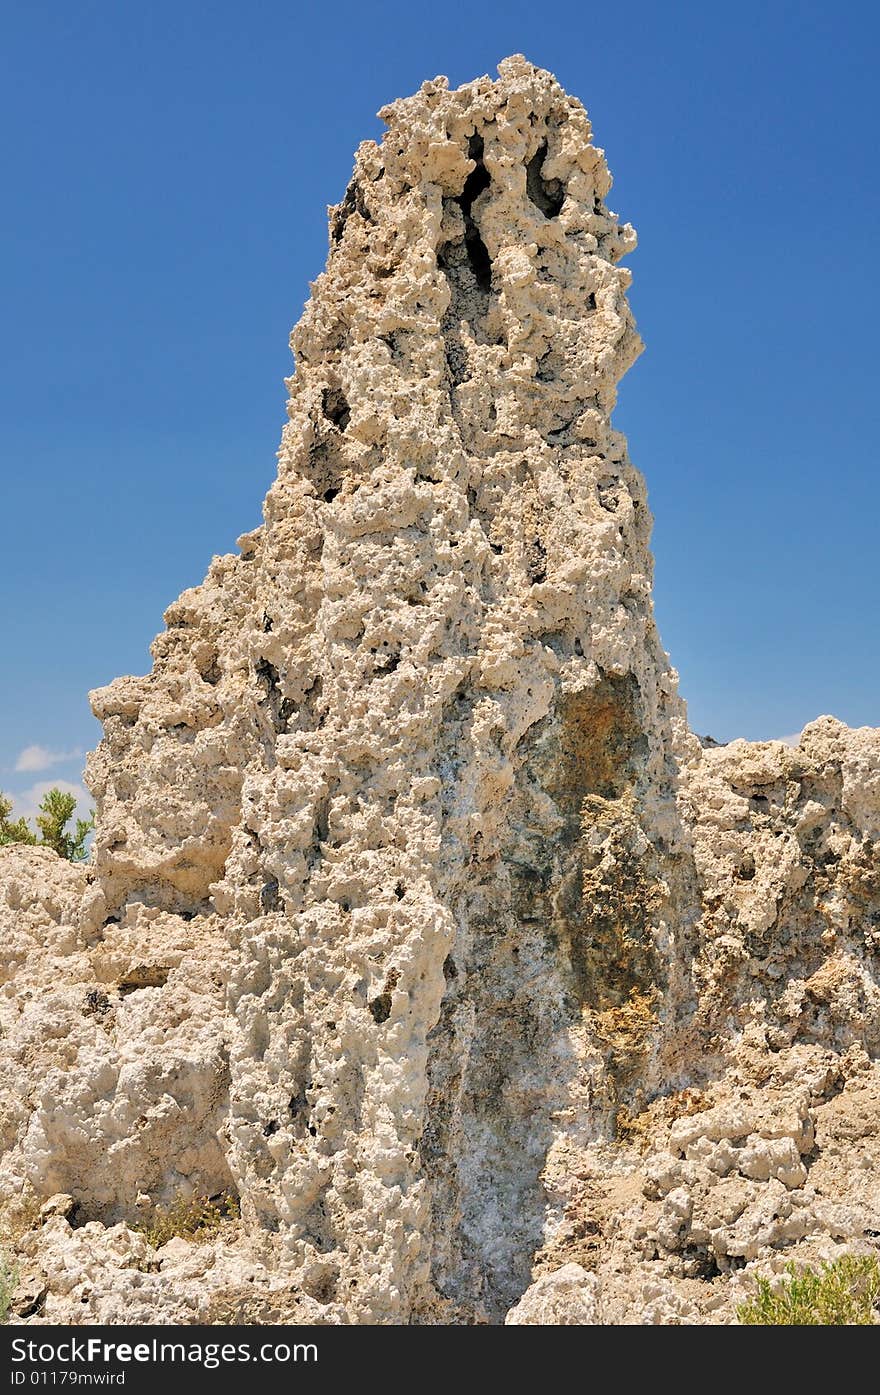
(56, 811)
(191, 1217)
(841, 1293)
(13, 832)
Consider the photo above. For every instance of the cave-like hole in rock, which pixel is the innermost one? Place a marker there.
(546, 194)
(334, 405)
(476, 182)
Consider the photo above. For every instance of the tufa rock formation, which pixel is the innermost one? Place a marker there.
(417, 918)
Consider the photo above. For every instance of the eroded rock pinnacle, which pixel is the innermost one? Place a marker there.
(417, 917)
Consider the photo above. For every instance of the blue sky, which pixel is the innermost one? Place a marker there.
(166, 172)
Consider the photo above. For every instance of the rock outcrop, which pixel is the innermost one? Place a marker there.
(417, 918)
(763, 1143)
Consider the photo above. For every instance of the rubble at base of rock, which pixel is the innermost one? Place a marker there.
(417, 918)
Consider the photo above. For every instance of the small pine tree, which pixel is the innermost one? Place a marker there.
(13, 832)
(56, 811)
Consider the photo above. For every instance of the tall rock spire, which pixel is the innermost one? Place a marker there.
(417, 919)
(369, 741)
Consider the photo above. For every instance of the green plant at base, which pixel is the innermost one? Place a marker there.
(841, 1293)
(191, 1217)
(56, 811)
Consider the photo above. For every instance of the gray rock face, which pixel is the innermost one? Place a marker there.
(414, 903)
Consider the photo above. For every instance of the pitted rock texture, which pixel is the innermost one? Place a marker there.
(764, 1144)
(115, 1065)
(416, 914)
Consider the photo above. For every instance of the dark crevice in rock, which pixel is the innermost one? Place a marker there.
(548, 367)
(267, 675)
(608, 491)
(546, 194)
(270, 900)
(322, 828)
(380, 1006)
(353, 202)
(325, 465)
(309, 712)
(298, 1103)
(142, 976)
(560, 434)
(476, 182)
(210, 671)
(334, 405)
(387, 661)
(536, 561)
(280, 709)
(468, 268)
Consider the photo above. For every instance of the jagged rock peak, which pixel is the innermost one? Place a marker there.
(367, 742)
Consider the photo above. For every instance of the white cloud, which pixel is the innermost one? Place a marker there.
(26, 803)
(34, 758)
(793, 740)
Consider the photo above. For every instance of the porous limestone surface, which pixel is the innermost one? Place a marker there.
(416, 916)
(763, 1144)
